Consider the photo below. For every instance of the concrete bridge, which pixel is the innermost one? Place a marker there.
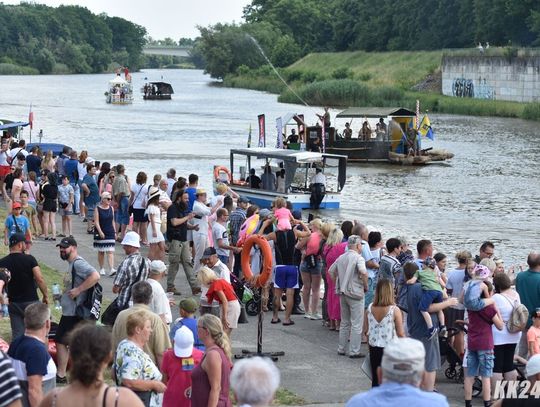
(166, 50)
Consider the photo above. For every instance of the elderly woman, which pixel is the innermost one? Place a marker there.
(105, 232)
(333, 248)
(133, 367)
(211, 379)
(254, 381)
(311, 269)
(90, 353)
(223, 292)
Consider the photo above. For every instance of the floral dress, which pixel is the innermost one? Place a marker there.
(133, 363)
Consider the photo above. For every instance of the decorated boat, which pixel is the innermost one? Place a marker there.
(120, 91)
(310, 180)
(385, 135)
(157, 91)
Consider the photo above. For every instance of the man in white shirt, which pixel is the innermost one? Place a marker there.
(200, 221)
(319, 177)
(220, 235)
(171, 180)
(160, 302)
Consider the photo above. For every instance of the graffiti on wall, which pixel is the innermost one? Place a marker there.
(464, 88)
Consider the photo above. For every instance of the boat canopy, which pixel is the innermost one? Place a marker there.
(292, 159)
(163, 87)
(118, 80)
(12, 125)
(375, 112)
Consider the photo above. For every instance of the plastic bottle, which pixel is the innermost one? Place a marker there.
(56, 296)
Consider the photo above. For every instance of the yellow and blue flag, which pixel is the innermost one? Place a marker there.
(425, 129)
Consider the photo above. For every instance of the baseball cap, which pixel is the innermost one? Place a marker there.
(263, 213)
(188, 305)
(16, 205)
(533, 366)
(209, 251)
(131, 239)
(157, 267)
(183, 342)
(16, 238)
(482, 272)
(403, 356)
(66, 242)
(243, 199)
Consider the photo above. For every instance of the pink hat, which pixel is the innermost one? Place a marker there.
(481, 272)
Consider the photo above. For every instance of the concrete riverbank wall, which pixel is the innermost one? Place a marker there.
(492, 77)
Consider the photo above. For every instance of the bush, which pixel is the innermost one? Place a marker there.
(387, 96)
(365, 76)
(13, 69)
(292, 75)
(342, 73)
(309, 76)
(243, 70)
(332, 92)
(531, 111)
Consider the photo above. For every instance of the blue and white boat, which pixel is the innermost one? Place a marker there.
(300, 168)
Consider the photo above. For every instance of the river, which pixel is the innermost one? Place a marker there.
(490, 190)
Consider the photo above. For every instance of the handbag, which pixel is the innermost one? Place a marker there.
(90, 308)
(111, 313)
(130, 208)
(145, 397)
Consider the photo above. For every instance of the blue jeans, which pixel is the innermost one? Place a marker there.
(122, 214)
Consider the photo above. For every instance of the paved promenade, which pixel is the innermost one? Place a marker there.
(311, 367)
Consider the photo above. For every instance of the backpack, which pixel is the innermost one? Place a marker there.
(518, 318)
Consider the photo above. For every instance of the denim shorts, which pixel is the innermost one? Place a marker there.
(316, 271)
(370, 293)
(429, 297)
(480, 363)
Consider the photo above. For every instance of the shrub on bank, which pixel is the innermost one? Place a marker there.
(13, 69)
(332, 92)
(531, 111)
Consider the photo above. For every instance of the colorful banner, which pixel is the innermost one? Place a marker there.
(417, 118)
(262, 130)
(425, 129)
(249, 137)
(279, 128)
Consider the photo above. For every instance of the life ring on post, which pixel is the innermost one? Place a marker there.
(266, 252)
(220, 168)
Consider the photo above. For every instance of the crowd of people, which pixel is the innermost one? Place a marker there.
(377, 291)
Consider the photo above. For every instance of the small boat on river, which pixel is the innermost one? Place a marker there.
(311, 180)
(157, 91)
(120, 91)
(392, 139)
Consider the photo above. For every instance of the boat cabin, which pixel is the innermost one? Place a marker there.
(157, 91)
(297, 185)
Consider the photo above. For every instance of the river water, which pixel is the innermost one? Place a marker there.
(490, 190)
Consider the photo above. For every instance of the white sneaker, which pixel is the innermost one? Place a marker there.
(112, 273)
(316, 317)
(307, 315)
(102, 271)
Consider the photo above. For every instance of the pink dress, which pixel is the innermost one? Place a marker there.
(283, 216)
(332, 299)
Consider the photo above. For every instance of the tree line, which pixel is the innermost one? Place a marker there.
(290, 29)
(67, 39)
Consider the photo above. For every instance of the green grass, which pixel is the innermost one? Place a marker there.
(50, 275)
(285, 397)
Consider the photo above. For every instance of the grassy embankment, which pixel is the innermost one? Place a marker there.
(373, 79)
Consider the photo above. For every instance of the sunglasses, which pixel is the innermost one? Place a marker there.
(106, 199)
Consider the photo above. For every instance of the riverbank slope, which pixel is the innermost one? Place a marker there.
(361, 78)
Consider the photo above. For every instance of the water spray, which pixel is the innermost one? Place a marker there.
(276, 71)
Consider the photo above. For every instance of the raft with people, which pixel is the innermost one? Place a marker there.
(392, 135)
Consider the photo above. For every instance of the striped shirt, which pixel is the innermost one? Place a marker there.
(127, 273)
(9, 385)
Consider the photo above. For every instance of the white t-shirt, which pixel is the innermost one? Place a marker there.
(3, 158)
(160, 303)
(81, 169)
(200, 209)
(505, 305)
(219, 232)
(170, 185)
(215, 199)
(318, 179)
(140, 193)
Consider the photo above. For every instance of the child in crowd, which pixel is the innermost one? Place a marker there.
(480, 356)
(66, 195)
(188, 307)
(475, 292)
(283, 215)
(16, 223)
(533, 334)
(432, 292)
(29, 212)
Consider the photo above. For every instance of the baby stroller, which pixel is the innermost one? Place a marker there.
(245, 296)
(454, 371)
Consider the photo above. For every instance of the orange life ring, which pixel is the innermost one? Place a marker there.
(220, 168)
(267, 259)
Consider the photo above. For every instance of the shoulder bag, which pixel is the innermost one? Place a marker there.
(90, 308)
(130, 208)
(111, 313)
(518, 318)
